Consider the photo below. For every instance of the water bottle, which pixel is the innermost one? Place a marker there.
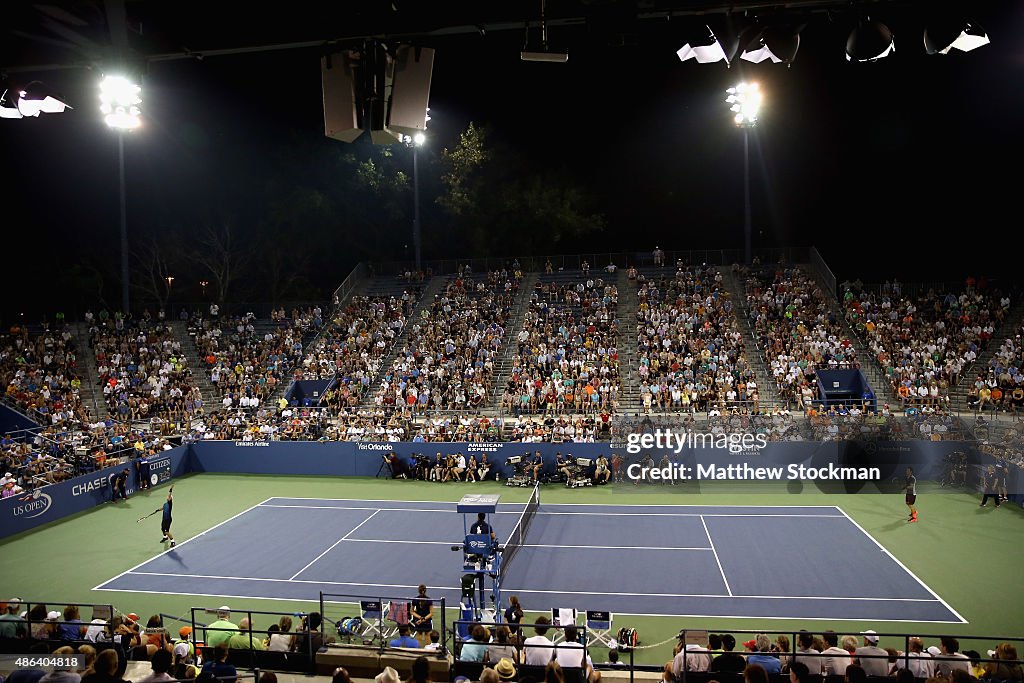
(497, 477)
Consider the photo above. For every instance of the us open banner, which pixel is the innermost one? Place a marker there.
(56, 501)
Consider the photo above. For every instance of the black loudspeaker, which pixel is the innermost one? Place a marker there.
(410, 91)
(341, 107)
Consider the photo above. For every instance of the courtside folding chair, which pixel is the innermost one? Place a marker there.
(562, 616)
(372, 613)
(599, 628)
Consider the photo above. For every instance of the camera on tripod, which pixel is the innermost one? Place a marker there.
(420, 466)
(955, 471)
(520, 468)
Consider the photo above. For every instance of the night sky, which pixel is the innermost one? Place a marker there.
(905, 167)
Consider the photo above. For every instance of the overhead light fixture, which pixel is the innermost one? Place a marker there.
(702, 45)
(744, 100)
(869, 41)
(944, 34)
(119, 102)
(777, 43)
(36, 98)
(9, 107)
(544, 54)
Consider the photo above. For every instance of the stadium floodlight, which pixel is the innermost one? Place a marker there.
(419, 139)
(869, 41)
(119, 102)
(777, 43)
(744, 101)
(944, 34)
(702, 45)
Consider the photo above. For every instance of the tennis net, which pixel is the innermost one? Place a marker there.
(518, 535)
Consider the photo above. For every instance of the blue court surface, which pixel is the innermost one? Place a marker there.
(677, 560)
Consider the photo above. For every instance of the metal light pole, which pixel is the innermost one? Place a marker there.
(747, 228)
(415, 141)
(119, 103)
(417, 237)
(745, 101)
(125, 282)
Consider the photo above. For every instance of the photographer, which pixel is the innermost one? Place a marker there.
(602, 473)
(399, 467)
(471, 469)
(456, 466)
(421, 466)
(562, 466)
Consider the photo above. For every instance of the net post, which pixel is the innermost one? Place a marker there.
(443, 650)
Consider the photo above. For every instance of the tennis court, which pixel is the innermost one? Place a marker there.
(794, 562)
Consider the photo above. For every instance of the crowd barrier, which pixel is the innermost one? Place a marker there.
(368, 459)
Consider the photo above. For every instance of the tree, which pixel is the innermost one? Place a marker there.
(222, 255)
(152, 271)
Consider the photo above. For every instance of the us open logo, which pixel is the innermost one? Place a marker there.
(33, 505)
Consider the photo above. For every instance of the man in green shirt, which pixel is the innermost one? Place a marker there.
(220, 631)
(245, 639)
(11, 625)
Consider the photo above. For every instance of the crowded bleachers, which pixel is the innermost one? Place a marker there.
(1000, 385)
(358, 337)
(40, 374)
(567, 358)
(449, 358)
(143, 370)
(795, 330)
(690, 351)
(925, 342)
(247, 359)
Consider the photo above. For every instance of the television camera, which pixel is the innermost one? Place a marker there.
(955, 470)
(521, 471)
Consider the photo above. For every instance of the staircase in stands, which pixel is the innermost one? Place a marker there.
(768, 390)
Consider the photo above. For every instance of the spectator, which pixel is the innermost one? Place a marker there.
(104, 669)
(71, 628)
(1006, 667)
(435, 641)
(309, 639)
(388, 675)
(952, 659)
(282, 640)
(244, 639)
(755, 673)
(221, 630)
(11, 625)
(62, 674)
(918, 661)
(855, 674)
(502, 646)
(341, 676)
(506, 670)
(219, 667)
(404, 639)
(761, 658)
(161, 665)
(870, 657)
(553, 673)
(421, 671)
(728, 661)
(799, 673)
(475, 650)
(538, 650)
(570, 652)
(184, 667)
(834, 659)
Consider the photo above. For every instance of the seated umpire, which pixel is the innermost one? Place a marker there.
(480, 526)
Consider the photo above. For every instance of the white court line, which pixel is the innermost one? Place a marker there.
(549, 513)
(529, 545)
(549, 592)
(351, 531)
(717, 561)
(903, 566)
(623, 505)
(178, 545)
(624, 614)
